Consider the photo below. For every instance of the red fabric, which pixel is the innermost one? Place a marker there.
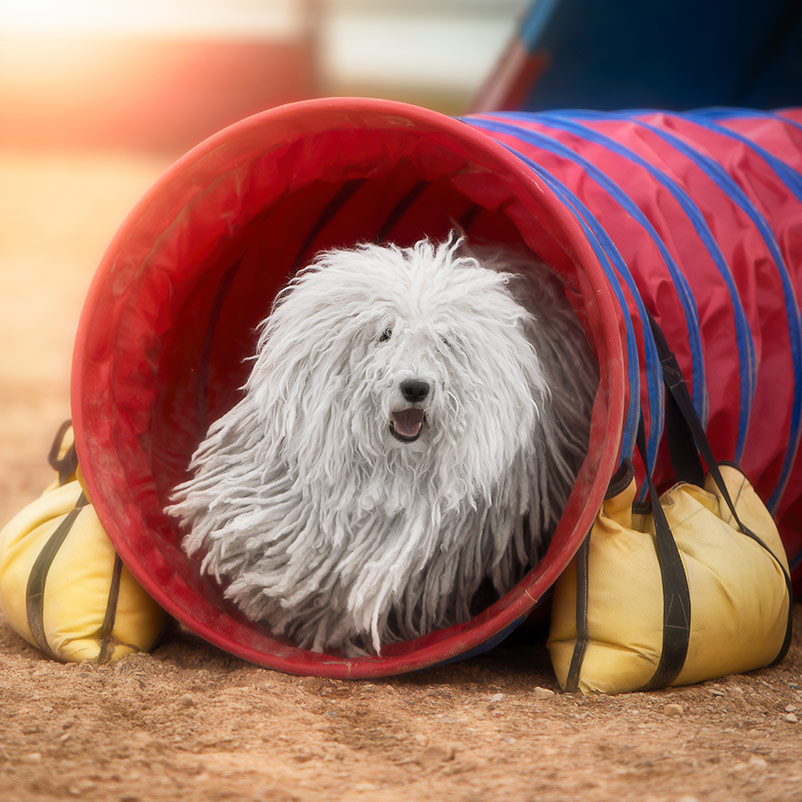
(732, 221)
(171, 312)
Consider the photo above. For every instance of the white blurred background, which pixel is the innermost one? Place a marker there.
(165, 73)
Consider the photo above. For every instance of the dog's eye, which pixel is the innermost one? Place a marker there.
(385, 335)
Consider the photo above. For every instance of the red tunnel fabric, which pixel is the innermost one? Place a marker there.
(627, 208)
(722, 192)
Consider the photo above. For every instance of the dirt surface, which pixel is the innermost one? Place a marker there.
(190, 722)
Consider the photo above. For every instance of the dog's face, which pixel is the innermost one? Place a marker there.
(411, 394)
(407, 360)
(411, 370)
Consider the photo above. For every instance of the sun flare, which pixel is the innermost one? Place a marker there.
(151, 17)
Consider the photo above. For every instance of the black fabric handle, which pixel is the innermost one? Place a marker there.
(681, 448)
(685, 420)
(676, 594)
(681, 400)
(65, 466)
(35, 589)
(582, 631)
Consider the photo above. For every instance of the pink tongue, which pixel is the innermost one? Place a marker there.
(407, 422)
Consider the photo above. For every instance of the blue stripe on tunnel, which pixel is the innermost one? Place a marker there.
(746, 348)
(653, 371)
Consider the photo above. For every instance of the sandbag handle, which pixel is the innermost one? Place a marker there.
(65, 465)
(680, 398)
(37, 578)
(676, 593)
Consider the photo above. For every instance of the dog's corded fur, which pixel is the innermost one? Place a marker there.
(409, 430)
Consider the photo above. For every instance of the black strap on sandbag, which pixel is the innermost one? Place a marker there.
(64, 465)
(686, 433)
(676, 594)
(105, 633)
(619, 482)
(35, 589)
(685, 429)
(582, 634)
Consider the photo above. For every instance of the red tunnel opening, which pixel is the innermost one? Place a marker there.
(171, 314)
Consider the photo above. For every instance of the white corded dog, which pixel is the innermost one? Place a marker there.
(411, 428)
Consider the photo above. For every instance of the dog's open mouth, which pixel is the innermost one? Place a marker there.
(406, 424)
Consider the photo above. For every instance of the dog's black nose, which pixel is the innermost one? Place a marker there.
(414, 389)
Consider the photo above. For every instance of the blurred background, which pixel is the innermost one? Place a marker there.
(163, 74)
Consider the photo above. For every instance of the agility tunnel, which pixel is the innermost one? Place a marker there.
(694, 217)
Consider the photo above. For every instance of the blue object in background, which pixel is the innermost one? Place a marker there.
(672, 55)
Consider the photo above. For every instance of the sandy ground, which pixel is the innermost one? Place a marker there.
(190, 722)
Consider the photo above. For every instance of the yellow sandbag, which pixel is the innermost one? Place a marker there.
(739, 596)
(62, 585)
